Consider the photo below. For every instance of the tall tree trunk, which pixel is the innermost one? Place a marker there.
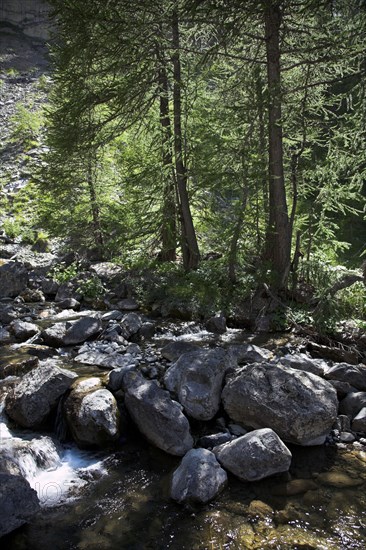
(169, 227)
(190, 249)
(95, 210)
(278, 240)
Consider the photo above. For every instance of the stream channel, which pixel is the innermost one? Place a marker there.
(120, 499)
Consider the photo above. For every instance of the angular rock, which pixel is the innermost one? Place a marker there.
(67, 291)
(174, 350)
(299, 406)
(355, 375)
(32, 400)
(198, 479)
(5, 336)
(92, 414)
(18, 502)
(249, 353)
(31, 295)
(158, 417)
(69, 303)
(49, 286)
(128, 304)
(254, 456)
(13, 279)
(197, 380)
(301, 361)
(353, 403)
(22, 330)
(81, 330)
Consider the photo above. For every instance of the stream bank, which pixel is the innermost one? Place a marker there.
(118, 494)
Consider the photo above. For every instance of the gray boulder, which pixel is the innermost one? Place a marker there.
(249, 353)
(254, 456)
(213, 440)
(359, 421)
(158, 417)
(92, 414)
(22, 330)
(30, 402)
(353, 403)
(131, 324)
(81, 330)
(301, 407)
(216, 324)
(197, 379)
(199, 478)
(13, 279)
(18, 502)
(355, 375)
(300, 361)
(54, 335)
(174, 350)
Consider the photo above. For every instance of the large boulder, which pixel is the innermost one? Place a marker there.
(299, 406)
(254, 456)
(130, 324)
(198, 478)
(92, 414)
(197, 380)
(31, 401)
(81, 330)
(157, 416)
(13, 279)
(18, 502)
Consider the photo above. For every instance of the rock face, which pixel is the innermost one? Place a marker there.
(300, 406)
(197, 379)
(18, 502)
(300, 361)
(37, 394)
(199, 478)
(92, 414)
(54, 335)
(254, 456)
(156, 415)
(30, 16)
(249, 353)
(81, 330)
(13, 279)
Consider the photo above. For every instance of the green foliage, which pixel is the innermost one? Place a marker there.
(26, 125)
(91, 288)
(62, 273)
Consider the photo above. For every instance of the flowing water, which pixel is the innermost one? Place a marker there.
(120, 499)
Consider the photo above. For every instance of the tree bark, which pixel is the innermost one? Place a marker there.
(190, 249)
(278, 240)
(169, 226)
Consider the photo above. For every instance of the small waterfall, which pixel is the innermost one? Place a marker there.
(56, 472)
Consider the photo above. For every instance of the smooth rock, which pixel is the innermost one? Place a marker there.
(158, 417)
(299, 406)
(22, 330)
(13, 279)
(254, 456)
(216, 324)
(92, 414)
(81, 330)
(54, 335)
(249, 353)
(301, 361)
(197, 379)
(198, 479)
